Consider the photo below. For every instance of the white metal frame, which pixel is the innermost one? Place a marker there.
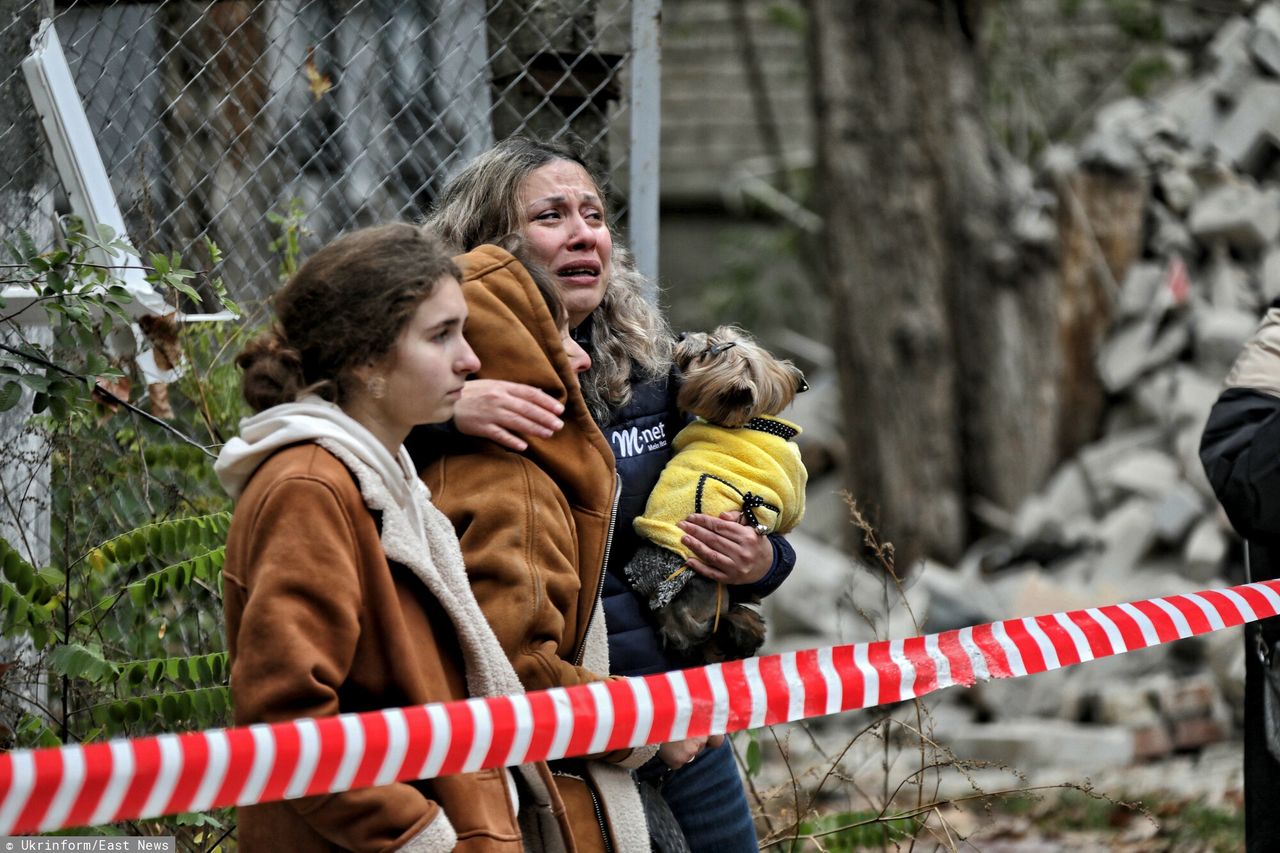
(84, 175)
(78, 161)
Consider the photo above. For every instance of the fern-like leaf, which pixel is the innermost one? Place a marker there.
(169, 538)
(81, 661)
(197, 670)
(200, 707)
(26, 581)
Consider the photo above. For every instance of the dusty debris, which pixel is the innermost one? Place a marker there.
(1130, 515)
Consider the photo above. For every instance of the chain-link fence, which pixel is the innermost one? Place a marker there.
(249, 123)
(211, 116)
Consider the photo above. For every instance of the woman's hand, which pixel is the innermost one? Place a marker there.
(677, 753)
(504, 411)
(726, 550)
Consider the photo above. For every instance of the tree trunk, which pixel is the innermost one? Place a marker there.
(1100, 232)
(944, 332)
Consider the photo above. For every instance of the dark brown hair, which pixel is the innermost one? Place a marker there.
(343, 308)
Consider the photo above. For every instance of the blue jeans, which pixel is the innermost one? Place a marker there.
(708, 801)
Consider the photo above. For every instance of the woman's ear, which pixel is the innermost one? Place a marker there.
(361, 373)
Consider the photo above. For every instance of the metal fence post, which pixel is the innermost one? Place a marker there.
(646, 88)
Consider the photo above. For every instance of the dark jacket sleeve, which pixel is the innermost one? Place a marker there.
(784, 560)
(1240, 448)
(1240, 451)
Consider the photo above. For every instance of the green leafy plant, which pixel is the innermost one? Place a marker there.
(119, 633)
(78, 287)
(288, 245)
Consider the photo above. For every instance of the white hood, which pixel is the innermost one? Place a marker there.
(309, 419)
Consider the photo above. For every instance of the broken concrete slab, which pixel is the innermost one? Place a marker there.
(1176, 512)
(1069, 491)
(1175, 395)
(1219, 335)
(956, 599)
(1097, 458)
(1205, 551)
(1112, 152)
(1168, 234)
(1178, 189)
(1195, 106)
(1231, 41)
(1229, 282)
(1183, 25)
(1239, 213)
(826, 515)
(1230, 81)
(1263, 41)
(1187, 446)
(828, 574)
(1139, 288)
(1226, 663)
(1138, 347)
(1039, 743)
(1269, 283)
(1149, 473)
(1249, 136)
(1127, 534)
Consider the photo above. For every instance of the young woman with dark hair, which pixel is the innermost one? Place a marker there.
(344, 585)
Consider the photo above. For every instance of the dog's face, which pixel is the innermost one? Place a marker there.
(730, 379)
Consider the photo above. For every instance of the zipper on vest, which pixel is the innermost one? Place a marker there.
(596, 804)
(604, 567)
(590, 784)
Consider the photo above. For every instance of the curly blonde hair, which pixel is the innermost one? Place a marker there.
(630, 340)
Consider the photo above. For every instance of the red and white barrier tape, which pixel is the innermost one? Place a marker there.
(46, 789)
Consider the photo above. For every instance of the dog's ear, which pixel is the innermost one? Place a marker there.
(801, 384)
(688, 345)
(738, 395)
(736, 404)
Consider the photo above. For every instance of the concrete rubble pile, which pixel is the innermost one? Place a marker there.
(1131, 515)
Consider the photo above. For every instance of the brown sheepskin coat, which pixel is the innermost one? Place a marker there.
(534, 527)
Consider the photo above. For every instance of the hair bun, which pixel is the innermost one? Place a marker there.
(272, 370)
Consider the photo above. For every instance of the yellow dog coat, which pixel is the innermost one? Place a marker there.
(755, 469)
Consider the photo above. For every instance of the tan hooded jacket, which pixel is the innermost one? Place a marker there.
(534, 526)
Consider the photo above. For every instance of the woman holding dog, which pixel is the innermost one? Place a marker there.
(546, 194)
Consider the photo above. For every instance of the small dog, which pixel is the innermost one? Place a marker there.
(736, 456)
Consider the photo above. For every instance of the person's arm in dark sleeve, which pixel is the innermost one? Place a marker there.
(1240, 448)
(784, 560)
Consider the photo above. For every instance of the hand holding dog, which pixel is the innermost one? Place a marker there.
(504, 411)
(677, 753)
(726, 550)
